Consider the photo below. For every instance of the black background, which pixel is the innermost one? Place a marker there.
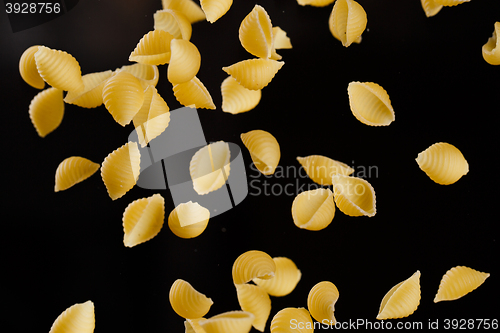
(63, 248)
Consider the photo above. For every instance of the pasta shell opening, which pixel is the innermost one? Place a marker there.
(354, 196)
(256, 33)
(347, 21)
(370, 103)
(286, 277)
(254, 74)
(143, 220)
(402, 300)
(321, 168)
(491, 50)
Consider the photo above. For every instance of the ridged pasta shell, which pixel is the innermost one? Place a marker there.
(255, 300)
(215, 9)
(46, 110)
(91, 95)
(173, 22)
(443, 163)
(209, 167)
(431, 7)
(370, 103)
(194, 93)
(292, 320)
(402, 300)
(458, 282)
(189, 8)
(321, 168)
(153, 117)
(315, 3)
(73, 170)
(78, 318)
(254, 74)
(253, 264)
(280, 39)
(147, 75)
(188, 220)
(450, 3)
(28, 70)
(321, 302)
(354, 196)
(193, 325)
(185, 61)
(256, 33)
(314, 209)
(229, 322)
(236, 98)
(347, 21)
(187, 302)
(286, 277)
(123, 97)
(491, 50)
(59, 69)
(153, 48)
(264, 150)
(120, 170)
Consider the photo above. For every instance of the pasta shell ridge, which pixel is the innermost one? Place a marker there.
(314, 209)
(91, 95)
(46, 111)
(188, 220)
(254, 74)
(231, 321)
(370, 103)
(264, 150)
(431, 7)
(321, 302)
(458, 282)
(491, 50)
(321, 168)
(73, 170)
(256, 33)
(147, 75)
(284, 320)
(78, 318)
(286, 277)
(255, 300)
(354, 196)
(194, 93)
(347, 21)
(189, 8)
(185, 61)
(443, 163)
(402, 300)
(153, 117)
(253, 264)
(187, 302)
(59, 69)
(173, 22)
(215, 9)
(143, 220)
(236, 98)
(153, 48)
(28, 69)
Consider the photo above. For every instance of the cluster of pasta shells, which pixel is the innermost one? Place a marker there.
(79, 318)
(313, 209)
(73, 170)
(402, 300)
(370, 103)
(321, 302)
(443, 163)
(188, 220)
(347, 21)
(264, 150)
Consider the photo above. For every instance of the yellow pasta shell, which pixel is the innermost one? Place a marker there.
(280, 39)
(491, 50)
(443, 163)
(255, 300)
(215, 9)
(73, 170)
(431, 7)
(286, 277)
(256, 33)
(347, 21)
(194, 93)
(292, 320)
(253, 264)
(185, 61)
(173, 22)
(28, 70)
(321, 168)
(91, 95)
(402, 300)
(321, 302)
(78, 318)
(209, 167)
(147, 75)
(315, 3)
(187, 302)
(46, 110)
(236, 98)
(229, 322)
(188, 220)
(193, 325)
(153, 48)
(254, 74)
(314, 209)
(458, 282)
(450, 3)
(59, 69)
(370, 103)
(354, 196)
(120, 170)
(264, 150)
(189, 8)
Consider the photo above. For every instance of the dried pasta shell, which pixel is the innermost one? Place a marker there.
(185, 61)
(187, 302)
(280, 39)
(236, 98)
(78, 318)
(347, 21)
(491, 50)
(370, 103)
(321, 302)
(256, 33)
(450, 3)
(458, 282)
(209, 167)
(91, 95)
(28, 70)
(120, 170)
(153, 48)
(321, 168)
(292, 320)
(46, 110)
(315, 3)
(229, 322)
(188, 220)
(286, 277)
(443, 163)
(215, 9)
(59, 69)
(431, 7)
(402, 300)
(354, 196)
(123, 97)
(254, 74)
(255, 300)
(193, 325)
(153, 117)
(189, 8)
(314, 209)
(173, 22)
(253, 264)
(264, 150)
(147, 75)
(194, 93)
(73, 170)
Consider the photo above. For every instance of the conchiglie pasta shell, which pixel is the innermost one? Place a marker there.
(280, 39)
(73, 170)
(194, 93)
(254, 74)
(264, 150)
(59, 69)
(173, 22)
(450, 3)
(315, 3)
(147, 75)
(215, 9)
(347, 21)
(209, 167)
(185, 61)
(229, 322)
(193, 325)
(458, 282)
(321, 168)
(286, 277)
(354, 196)
(256, 33)
(255, 300)
(187, 302)
(91, 95)
(78, 318)
(370, 103)
(153, 48)
(292, 320)
(46, 110)
(443, 163)
(236, 98)
(188, 220)
(431, 7)
(253, 264)
(402, 300)
(491, 50)
(189, 8)
(28, 70)
(321, 302)
(314, 209)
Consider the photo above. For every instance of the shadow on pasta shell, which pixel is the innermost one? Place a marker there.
(153, 48)
(230, 322)
(253, 264)
(193, 92)
(264, 150)
(286, 277)
(255, 300)
(188, 220)
(347, 21)
(153, 117)
(91, 95)
(28, 70)
(46, 110)
(215, 9)
(236, 98)
(321, 168)
(354, 196)
(73, 170)
(210, 167)
(185, 61)
(321, 302)
(458, 282)
(443, 163)
(430, 7)
(59, 69)
(292, 320)
(254, 74)
(256, 33)
(402, 300)
(491, 50)
(370, 103)
(147, 75)
(187, 302)
(173, 22)
(189, 8)
(77, 318)
(314, 209)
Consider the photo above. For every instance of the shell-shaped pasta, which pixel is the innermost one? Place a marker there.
(209, 167)
(255, 300)
(73, 170)
(187, 302)
(153, 48)
(314, 209)
(280, 39)
(59, 69)
(78, 318)
(253, 264)
(46, 110)
(321, 302)
(370, 103)
(236, 98)
(491, 50)
(256, 33)
(173, 22)
(286, 277)
(189, 8)
(91, 95)
(28, 70)
(431, 7)
(188, 220)
(354, 196)
(185, 61)
(229, 322)
(123, 97)
(147, 75)
(215, 9)
(254, 74)
(458, 282)
(120, 170)
(443, 163)
(194, 93)
(153, 117)
(315, 3)
(193, 325)
(347, 21)
(402, 300)
(321, 168)
(292, 320)
(450, 3)
(264, 150)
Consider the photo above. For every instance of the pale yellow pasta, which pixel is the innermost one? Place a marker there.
(354, 196)
(194, 93)
(147, 75)
(59, 69)
(286, 277)
(188, 220)
(402, 300)
(491, 50)
(193, 325)
(254, 74)
(443, 163)
(321, 302)
(313, 209)
(78, 318)
(73, 170)
(370, 103)
(189, 8)
(209, 167)
(255, 300)
(173, 22)
(185, 61)
(229, 322)
(450, 3)
(120, 170)
(153, 48)
(46, 110)
(253, 264)
(143, 220)
(264, 150)
(28, 70)
(256, 33)
(280, 41)
(236, 98)
(431, 7)
(91, 95)
(187, 302)
(215, 9)
(458, 282)
(292, 320)
(347, 21)
(321, 168)
(315, 3)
